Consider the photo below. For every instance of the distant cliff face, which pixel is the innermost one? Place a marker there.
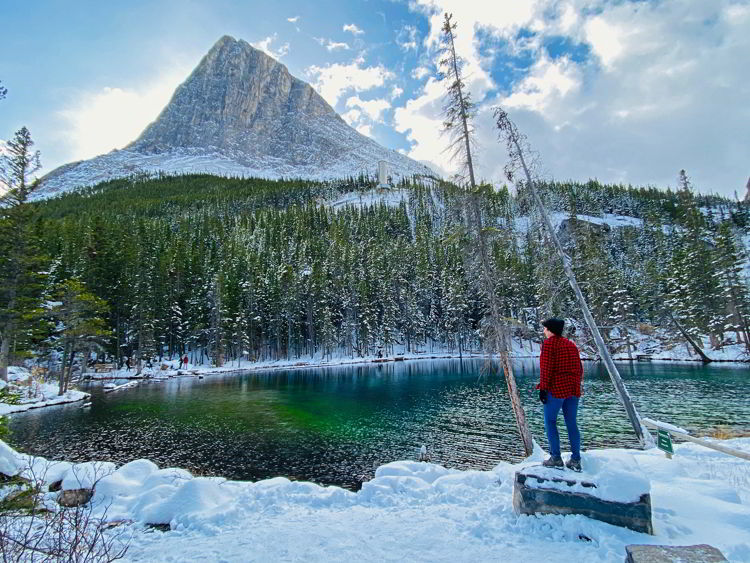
(240, 112)
(237, 99)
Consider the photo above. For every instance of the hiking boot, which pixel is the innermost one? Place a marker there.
(553, 461)
(573, 464)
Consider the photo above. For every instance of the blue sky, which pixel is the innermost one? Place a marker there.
(622, 91)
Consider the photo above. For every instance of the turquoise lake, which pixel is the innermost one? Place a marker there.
(336, 425)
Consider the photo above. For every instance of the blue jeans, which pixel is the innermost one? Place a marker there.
(570, 411)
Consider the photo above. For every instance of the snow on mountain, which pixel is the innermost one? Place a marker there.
(240, 113)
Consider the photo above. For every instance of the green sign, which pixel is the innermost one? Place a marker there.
(664, 442)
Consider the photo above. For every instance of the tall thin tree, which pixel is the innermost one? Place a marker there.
(517, 148)
(458, 112)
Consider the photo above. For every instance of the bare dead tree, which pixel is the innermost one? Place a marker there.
(458, 112)
(33, 527)
(518, 149)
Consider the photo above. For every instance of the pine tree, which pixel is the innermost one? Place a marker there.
(80, 327)
(728, 272)
(20, 256)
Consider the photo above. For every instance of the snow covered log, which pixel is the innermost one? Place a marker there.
(535, 491)
(702, 553)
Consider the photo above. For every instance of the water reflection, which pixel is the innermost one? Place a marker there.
(335, 425)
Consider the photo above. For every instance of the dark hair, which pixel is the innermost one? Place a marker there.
(555, 326)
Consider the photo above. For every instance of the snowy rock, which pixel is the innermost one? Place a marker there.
(668, 553)
(127, 480)
(427, 472)
(167, 476)
(51, 473)
(86, 475)
(240, 113)
(535, 491)
(18, 374)
(74, 497)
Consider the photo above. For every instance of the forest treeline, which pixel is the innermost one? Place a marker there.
(227, 268)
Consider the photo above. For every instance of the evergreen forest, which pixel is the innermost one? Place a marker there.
(227, 268)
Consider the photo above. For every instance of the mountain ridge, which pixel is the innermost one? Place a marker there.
(240, 113)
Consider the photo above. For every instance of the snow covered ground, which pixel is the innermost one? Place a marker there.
(660, 344)
(34, 394)
(391, 197)
(414, 511)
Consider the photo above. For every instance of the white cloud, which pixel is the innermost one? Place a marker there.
(396, 92)
(421, 121)
(352, 117)
(112, 117)
(265, 46)
(353, 29)
(407, 38)
(364, 114)
(332, 80)
(295, 19)
(332, 46)
(548, 80)
(419, 73)
(365, 130)
(640, 108)
(606, 40)
(373, 109)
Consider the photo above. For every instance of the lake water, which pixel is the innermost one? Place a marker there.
(336, 425)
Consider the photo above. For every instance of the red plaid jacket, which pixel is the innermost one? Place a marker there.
(561, 371)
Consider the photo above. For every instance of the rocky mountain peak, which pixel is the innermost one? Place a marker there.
(240, 113)
(234, 98)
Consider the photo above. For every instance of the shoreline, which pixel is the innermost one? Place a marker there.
(202, 371)
(302, 364)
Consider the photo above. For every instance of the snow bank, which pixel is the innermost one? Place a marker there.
(11, 462)
(86, 475)
(419, 511)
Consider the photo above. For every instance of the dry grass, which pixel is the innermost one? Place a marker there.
(646, 329)
(725, 433)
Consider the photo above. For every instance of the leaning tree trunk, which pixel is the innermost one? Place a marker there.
(644, 437)
(500, 334)
(691, 340)
(5, 350)
(499, 338)
(63, 367)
